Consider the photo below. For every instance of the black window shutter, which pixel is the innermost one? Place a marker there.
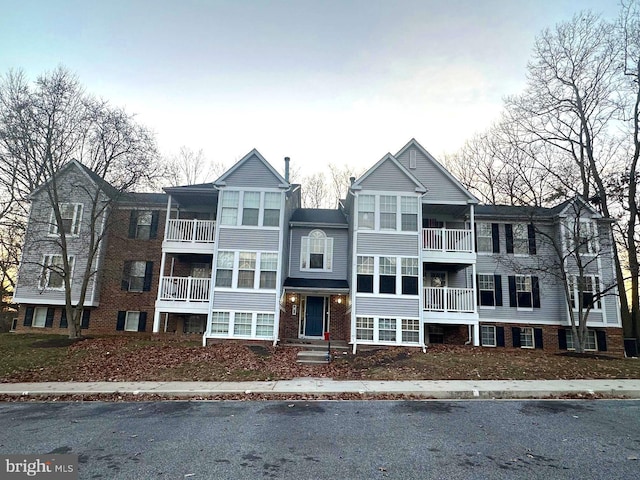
(508, 234)
(133, 223)
(500, 336)
(515, 335)
(478, 289)
(63, 318)
(601, 336)
(155, 215)
(495, 236)
(142, 322)
(121, 317)
(48, 322)
(537, 337)
(126, 273)
(531, 231)
(562, 339)
(512, 291)
(535, 286)
(28, 316)
(86, 315)
(497, 281)
(148, 273)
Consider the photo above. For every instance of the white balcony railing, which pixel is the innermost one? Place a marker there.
(447, 299)
(184, 289)
(193, 231)
(447, 240)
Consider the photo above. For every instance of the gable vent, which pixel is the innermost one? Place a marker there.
(412, 158)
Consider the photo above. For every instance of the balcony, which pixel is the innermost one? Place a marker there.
(449, 300)
(184, 289)
(196, 236)
(448, 245)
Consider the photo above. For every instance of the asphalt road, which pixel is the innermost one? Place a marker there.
(333, 439)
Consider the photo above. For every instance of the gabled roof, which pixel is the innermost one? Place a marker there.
(564, 206)
(136, 198)
(221, 181)
(318, 216)
(524, 211)
(414, 143)
(389, 158)
(94, 178)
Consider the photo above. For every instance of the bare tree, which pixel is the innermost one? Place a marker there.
(44, 128)
(340, 180)
(314, 191)
(190, 167)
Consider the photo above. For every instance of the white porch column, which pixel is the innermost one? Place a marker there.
(156, 321)
(476, 334)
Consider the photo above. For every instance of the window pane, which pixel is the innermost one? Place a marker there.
(387, 329)
(316, 260)
(131, 321)
(409, 222)
(224, 278)
(365, 283)
(264, 324)
(225, 260)
(242, 324)
(247, 260)
(230, 198)
(250, 216)
(488, 336)
(366, 206)
(364, 328)
(365, 264)
(410, 266)
(220, 322)
(387, 265)
(526, 337)
(271, 218)
(409, 205)
(410, 331)
(39, 317)
(245, 279)
(272, 201)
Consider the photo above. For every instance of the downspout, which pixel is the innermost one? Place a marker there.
(470, 340)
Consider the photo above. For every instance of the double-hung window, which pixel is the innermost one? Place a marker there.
(271, 209)
(387, 331)
(588, 287)
(387, 275)
(590, 343)
(268, 270)
(224, 269)
(143, 225)
(410, 272)
(409, 212)
(524, 291)
(246, 269)
(242, 322)
(586, 237)
(53, 273)
(71, 214)
(484, 237)
(316, 252)
(520, 239)
(39, 317)
(365, 274)
(136, 276)
(488, 336)
(388, 209)
(366, 212)
(230, 201)
(487, 289)
(527, 337)
(131, 321)
(364, 328)
(250, 208)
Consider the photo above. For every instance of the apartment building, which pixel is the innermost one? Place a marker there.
(408, 258)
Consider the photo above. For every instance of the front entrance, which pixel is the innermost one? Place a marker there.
(315, 313)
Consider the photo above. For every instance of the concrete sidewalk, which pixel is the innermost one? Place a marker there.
(441, 389)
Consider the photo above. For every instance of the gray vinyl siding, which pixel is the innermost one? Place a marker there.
(244, 301)
(257, 239)
(440, 188)
(389, 244)
(39, 243)
(253, 173)
(387, 307)
(292, 202)
(388, 177)
(340, 253)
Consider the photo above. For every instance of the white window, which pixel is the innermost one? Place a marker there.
(524, 291)
(131, 321)
(526, 337)
(387, 329)
(520, 239)
(137, 271)
(364, 328)
(388, 209)
(246, 269)
(264, 324)
(487, 289)
(53, 273)
(220, 322)
(364, 269)
(589, 288)
(71, 214)
(242, 323)
(39, 317)
(143, 225)
(268, 270)
(224, 270)
(409, 212)
(410, 331)
(230, 201)
(366, 212)
(251, 208)
(484, 238)
(387, 275)
(590, 344)
(316, 252)
(410, 271)
(271, 209)
(488, 335)
(587, 237)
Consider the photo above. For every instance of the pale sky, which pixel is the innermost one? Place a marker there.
(319, 81)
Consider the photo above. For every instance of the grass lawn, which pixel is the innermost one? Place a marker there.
(42, 358)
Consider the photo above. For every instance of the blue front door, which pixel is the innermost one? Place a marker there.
(314, 317)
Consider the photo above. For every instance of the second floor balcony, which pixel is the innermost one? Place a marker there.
(184, 289)
(190, 235)
(448, 245)
(449, 300)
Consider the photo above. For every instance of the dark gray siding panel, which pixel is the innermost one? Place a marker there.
(387, 307)
(388, 244)
(244, 301)
(340, 253)
(248, 239)
(388, 177)
(439, 187)
(253, 173)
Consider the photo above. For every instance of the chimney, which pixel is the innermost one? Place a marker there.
(351, 180)
(286, 168)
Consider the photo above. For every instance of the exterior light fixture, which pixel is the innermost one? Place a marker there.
(293, 299)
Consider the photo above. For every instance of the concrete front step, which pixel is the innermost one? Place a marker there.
(316, 345)
(312, 357)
